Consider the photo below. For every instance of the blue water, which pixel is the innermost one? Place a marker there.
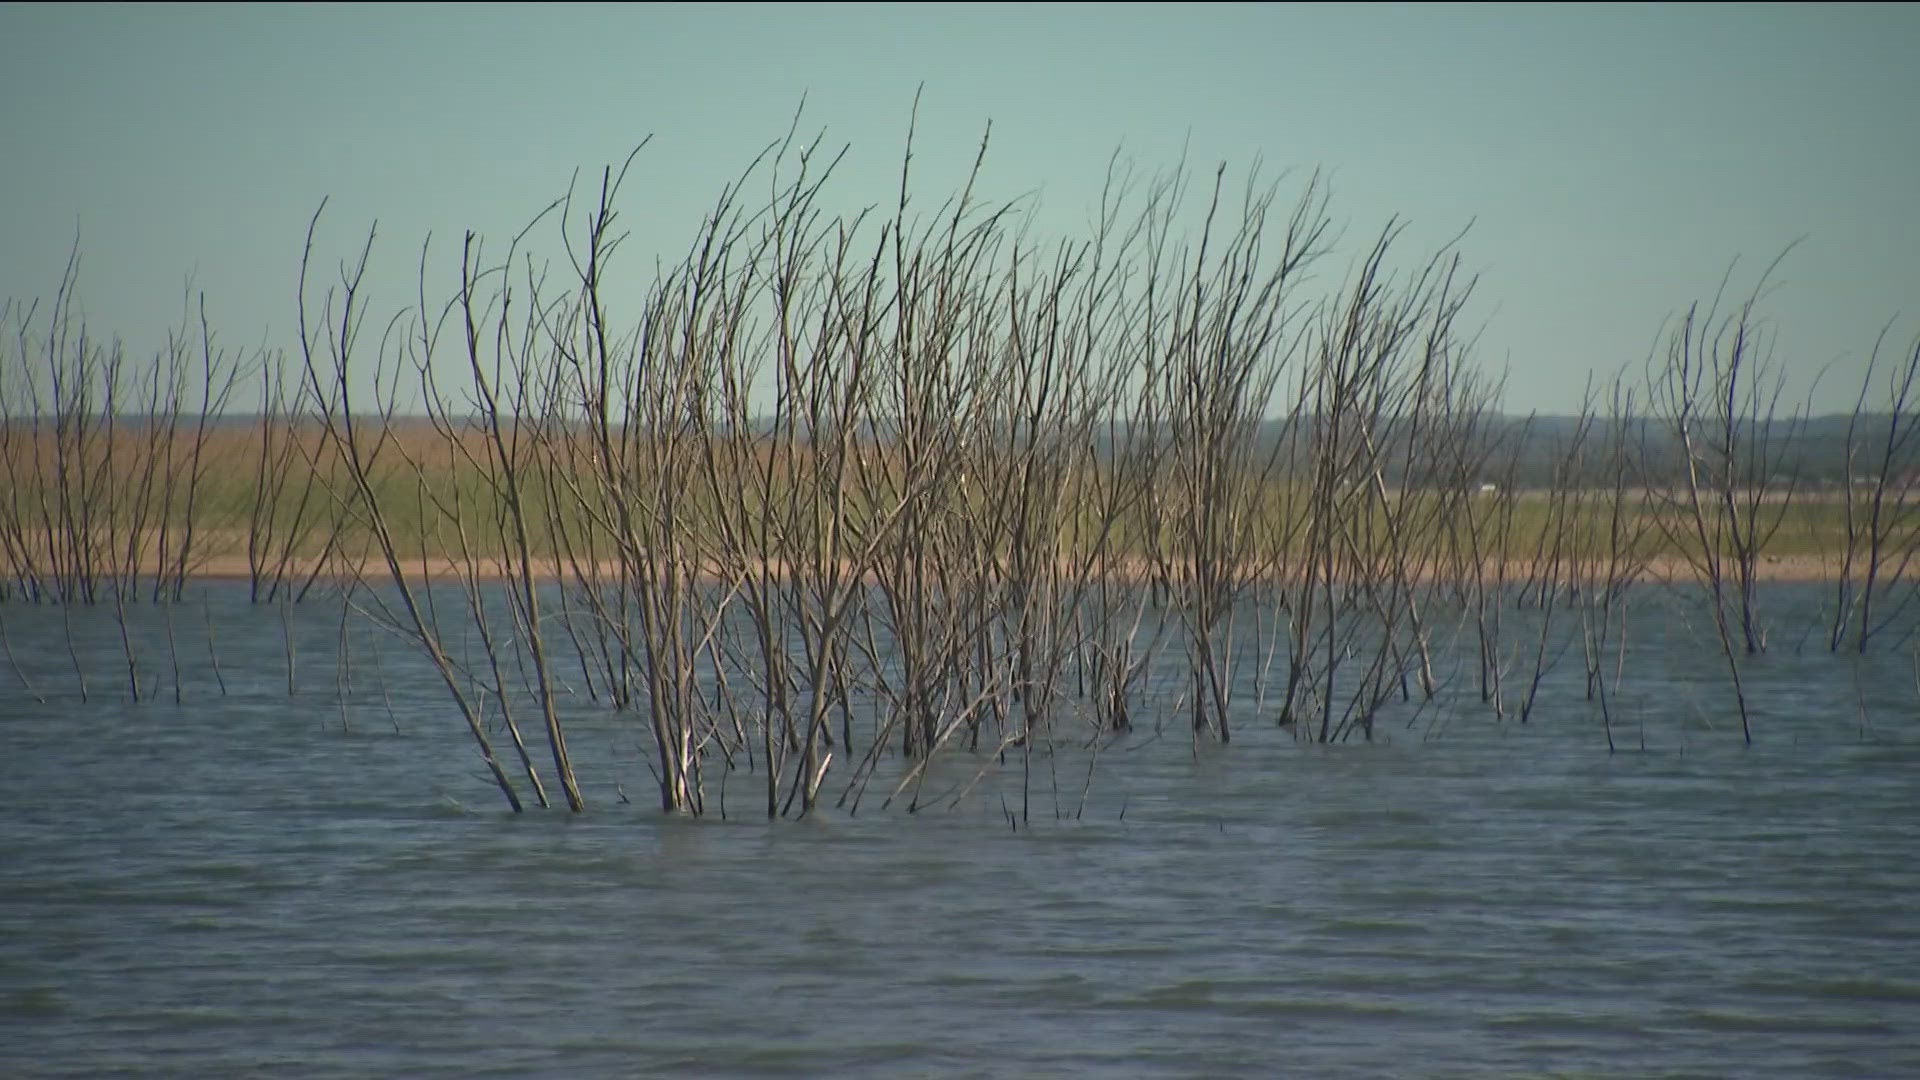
(270, 883)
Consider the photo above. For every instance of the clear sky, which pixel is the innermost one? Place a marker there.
(1613, 161)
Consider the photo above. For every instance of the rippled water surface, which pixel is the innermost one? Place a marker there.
(264, 883)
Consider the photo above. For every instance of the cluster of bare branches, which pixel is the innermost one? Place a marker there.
(881, 502)
(106, 459)
(106, 462)
(868, 490)
(1875, 584)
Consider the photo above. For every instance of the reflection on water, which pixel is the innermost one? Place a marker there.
(264, 884)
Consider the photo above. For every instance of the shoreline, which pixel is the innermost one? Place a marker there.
(1666, 569)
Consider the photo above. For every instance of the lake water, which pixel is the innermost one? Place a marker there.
(270, 883)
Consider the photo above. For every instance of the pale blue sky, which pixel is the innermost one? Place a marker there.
(1614, 160)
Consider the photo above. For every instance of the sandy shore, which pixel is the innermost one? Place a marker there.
(220, 558)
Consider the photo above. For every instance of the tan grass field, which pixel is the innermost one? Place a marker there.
(239, 500)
